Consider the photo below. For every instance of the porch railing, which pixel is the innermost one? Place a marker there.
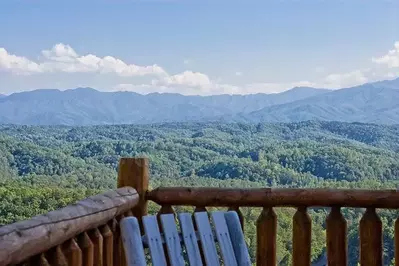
(87, 233)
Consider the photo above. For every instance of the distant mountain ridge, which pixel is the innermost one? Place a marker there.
(373, 103)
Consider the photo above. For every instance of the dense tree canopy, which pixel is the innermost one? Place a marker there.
(45, 168)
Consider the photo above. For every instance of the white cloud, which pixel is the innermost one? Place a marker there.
(391, 59)
(186, 78)
(20, 65)
(353, 78)
(63, 58)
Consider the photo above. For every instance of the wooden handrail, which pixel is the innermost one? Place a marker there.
(22, 240)
(276, 197)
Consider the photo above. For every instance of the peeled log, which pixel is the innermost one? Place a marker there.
(21, 240)
(277, 197)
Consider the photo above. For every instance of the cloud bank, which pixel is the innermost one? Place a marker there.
(62, 58)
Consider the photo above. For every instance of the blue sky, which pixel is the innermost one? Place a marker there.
(197, 47)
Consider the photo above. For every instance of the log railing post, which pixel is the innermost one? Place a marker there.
(134, 172)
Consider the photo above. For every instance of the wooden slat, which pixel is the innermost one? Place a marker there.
(223, 237)
(287, 197)
(119, 250)
(397, 242)
(166, 209)
(133, 246)
(154, 240)
(56, 257)
(199, 208)
(237, 238)
(73, 253)
(87, 248)
(116, 236)
(337, 245)
(108, 245)
(239, 213)
(302, 229)
(40, 260)
(206, 238)
(190, 239)
(266, 234)
(21, 240)
(172, 239)
(370, 239)
(97, 240)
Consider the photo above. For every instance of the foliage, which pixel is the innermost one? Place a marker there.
(45, 168)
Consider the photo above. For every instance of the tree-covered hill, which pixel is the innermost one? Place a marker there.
(47, 167)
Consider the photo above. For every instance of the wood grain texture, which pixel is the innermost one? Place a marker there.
(301, 242)
(73, 253)
(118, 248)
(132, 242)
(87, 248)
(223, 237)
(40, 260)
(370, 239)
(21, 240)
(172, 239)
(56, 257)
(190, 239)
(287, 197)
(134, 172)
(108, 245)
(397, 242)
(154, 240)
(237, 239)
(97, 240)
(337, 246)
(266, 235)
(114, 226)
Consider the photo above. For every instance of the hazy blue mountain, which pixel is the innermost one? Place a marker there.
(372, 103)
(86, 106)
(2, 95)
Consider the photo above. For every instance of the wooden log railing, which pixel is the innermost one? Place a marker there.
(370, 225)
(91, 236)
(84, 233)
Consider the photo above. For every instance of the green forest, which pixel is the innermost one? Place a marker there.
(43, 168)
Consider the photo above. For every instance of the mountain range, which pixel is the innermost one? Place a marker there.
(372, 102)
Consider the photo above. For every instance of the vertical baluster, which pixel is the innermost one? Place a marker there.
(336, 238)
(397, 242)
(266, 233)
(129, 213)
(87, 248)
(370, 239)
(97, 240)
(73, 253)
(116, 241)
(40, 260)
(165, 209)
(200, 209)
(56, 257)
(302, 232)
(108, 245)
(239, 213)
(119, 250)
